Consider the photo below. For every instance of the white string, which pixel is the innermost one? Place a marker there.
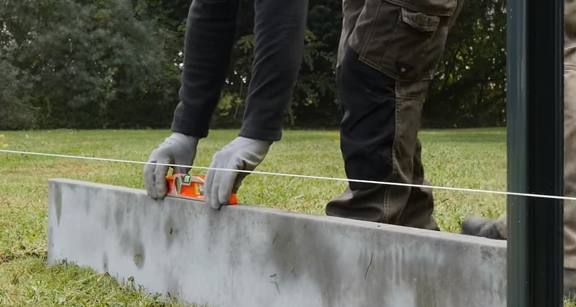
(293, 175)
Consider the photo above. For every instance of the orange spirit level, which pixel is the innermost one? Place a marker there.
(190, 186)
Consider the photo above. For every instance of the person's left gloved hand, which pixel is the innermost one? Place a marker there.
(240, 154)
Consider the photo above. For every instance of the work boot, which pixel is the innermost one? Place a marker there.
(481, 227)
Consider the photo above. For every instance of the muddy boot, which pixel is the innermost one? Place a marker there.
(481, 227)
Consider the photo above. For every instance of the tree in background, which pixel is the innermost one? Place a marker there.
(115, 64)
(91, 64)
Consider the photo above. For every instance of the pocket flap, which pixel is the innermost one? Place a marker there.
(431, 7)
(420, 21)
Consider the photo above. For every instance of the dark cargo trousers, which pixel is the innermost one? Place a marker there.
(388, 53)
(279, 28)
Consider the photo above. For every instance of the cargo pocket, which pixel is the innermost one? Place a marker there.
(403, 39)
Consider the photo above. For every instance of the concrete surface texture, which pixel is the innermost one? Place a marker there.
(251, 256)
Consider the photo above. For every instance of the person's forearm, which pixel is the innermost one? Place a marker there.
(279, 40)
(210, 32)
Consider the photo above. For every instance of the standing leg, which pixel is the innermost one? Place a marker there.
(420, 206)
(279, 41)
(210, 31)
(386, 66)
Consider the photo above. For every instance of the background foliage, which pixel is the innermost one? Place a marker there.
(115, 64)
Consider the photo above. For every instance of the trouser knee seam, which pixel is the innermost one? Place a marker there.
(394, 168)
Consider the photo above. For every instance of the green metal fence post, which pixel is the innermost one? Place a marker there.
(535, 152)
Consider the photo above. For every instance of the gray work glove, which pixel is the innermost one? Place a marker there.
(176, 149)
(240, 154)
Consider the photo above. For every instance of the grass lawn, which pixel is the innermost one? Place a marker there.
(464, 158)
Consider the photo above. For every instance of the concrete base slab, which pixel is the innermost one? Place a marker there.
(250, 256)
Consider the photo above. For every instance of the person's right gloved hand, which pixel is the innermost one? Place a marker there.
(176, 149)
(241, 154)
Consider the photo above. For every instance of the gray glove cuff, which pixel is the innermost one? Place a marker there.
(185, 140)
(245, 140)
